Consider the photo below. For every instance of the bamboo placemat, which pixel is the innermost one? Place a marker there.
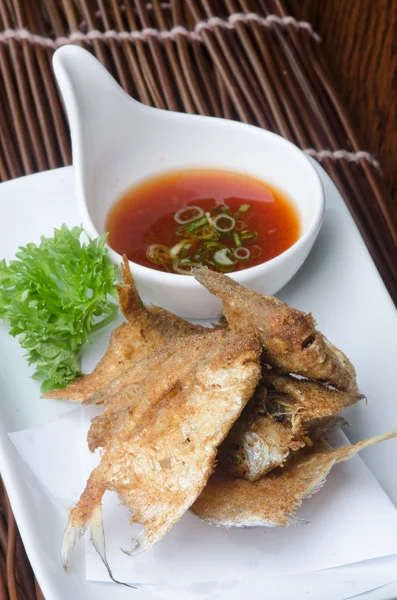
(249, 60)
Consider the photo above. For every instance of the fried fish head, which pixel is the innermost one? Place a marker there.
(273, 500)
(289, 336)
(302, 401)
(254, 449)
(160, 464)
(279, 420)
(258, 442)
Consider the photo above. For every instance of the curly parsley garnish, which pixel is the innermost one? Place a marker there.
(53, 296)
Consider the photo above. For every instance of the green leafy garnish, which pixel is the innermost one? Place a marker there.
(53, 296)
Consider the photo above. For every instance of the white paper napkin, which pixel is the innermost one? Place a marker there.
(351, 520)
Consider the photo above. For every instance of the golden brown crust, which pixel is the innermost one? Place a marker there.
(274, 499)
(173, 391)
(151, 380)
(160, 454)
(289, 337)
(303, 401)
(255, 448)
(146, 329)
(278, 420)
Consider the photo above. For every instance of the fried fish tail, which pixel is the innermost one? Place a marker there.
(86, 514)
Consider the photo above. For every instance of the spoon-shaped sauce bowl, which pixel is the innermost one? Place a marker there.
(118, 142)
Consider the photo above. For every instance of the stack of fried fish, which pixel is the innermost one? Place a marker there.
(230, 421)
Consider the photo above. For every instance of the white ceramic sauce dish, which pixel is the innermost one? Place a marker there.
(118, 142)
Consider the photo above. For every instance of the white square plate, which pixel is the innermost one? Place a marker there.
(339, 284)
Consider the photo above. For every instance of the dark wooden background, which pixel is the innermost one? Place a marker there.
(359, 39)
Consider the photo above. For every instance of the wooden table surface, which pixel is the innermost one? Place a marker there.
(359, 40)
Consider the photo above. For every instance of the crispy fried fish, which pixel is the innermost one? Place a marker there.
(159, 463)
(291, 341)
(279, 420)
(156, 377)
(258, 443)
(303, 401)
(146, 329)
(273, 500)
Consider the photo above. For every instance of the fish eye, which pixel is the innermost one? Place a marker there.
(308, 342)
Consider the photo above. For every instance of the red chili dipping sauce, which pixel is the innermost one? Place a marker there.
(225, 220)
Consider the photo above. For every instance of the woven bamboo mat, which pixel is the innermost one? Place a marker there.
(249, 60)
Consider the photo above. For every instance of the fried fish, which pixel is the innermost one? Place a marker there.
(303, 401)
(146, 330)
(159, 460)
(159, 376)
(289, 336)
(273, 500)
(258, 442)
(280, 419)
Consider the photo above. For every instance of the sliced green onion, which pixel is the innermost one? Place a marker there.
(236, 240)
(211, 262)
(185, 268)
(184, 215)
(224, 223)
(221, 257)
(207, 233)
(209, 219)
(250, 237)
(186, 247)
(256, 251)
(175, 250)
(206, 238)
(211, 245)
(158, 253)
(195, 225)
(241, 253)
(226, 269)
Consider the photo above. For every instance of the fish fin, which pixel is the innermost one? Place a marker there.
(216, 283)
(82, 514)
(98, 540)
(130, 301)
(72, 534)
(348, 452)
(87, 514)
(142, 543)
